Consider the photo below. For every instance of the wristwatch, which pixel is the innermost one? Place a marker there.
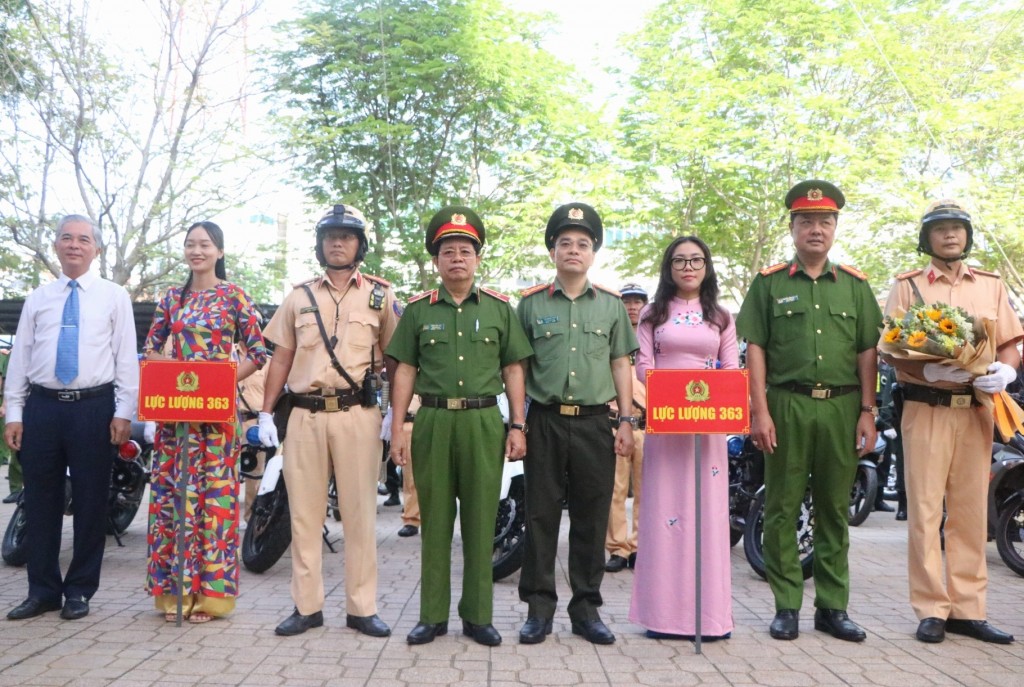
(521, 426)
(870, 409)
(628, 418)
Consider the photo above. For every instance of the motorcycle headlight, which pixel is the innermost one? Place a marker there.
(735, 444)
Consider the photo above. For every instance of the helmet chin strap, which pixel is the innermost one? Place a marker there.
(350, 266)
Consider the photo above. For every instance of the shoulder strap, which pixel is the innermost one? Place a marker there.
(327, 342)
(917, 291)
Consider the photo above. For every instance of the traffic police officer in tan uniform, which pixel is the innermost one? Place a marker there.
(947, 434)
(582, 340)
(455, 345)
(621, 538)
(335, 420)
(811, 327)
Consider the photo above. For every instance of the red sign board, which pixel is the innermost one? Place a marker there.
(187, 391)
(698, 402)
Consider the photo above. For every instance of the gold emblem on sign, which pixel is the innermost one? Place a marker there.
(575, 213)
(697, 391)
(459, 219)
(815, 194)
(188, 381)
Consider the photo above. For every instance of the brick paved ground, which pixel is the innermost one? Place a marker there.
(124, 642)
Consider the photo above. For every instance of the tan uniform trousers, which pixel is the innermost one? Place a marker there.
(620, 541)
(411, 502)
(947, 454)
(350, 440)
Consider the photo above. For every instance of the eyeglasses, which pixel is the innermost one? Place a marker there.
(683, 263)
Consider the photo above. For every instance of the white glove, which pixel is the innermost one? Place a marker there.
(268, 430)
(889, 434)
(1000, 374)
(149, 433)
(937, 372)
(385, 425)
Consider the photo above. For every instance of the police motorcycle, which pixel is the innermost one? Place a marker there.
(510, 524)
(865, 487)
(1006, 501)
(128, 479)
(746, 476)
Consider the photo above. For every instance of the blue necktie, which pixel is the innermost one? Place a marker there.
(67, 343)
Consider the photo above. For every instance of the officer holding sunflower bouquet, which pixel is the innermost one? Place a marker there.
(947, 434)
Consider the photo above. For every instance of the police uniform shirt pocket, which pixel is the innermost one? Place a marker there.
(597, 339)
(789, 319)
(842, 321)
(433, 335)
(361, 331)
(548, 339)
(307, 333)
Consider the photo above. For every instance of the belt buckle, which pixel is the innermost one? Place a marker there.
(455, 403)
(960, 400)
(821, 393)
(331, 404)
(67, 395)
(569, 410)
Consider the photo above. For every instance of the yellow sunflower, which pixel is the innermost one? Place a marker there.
(947, 326)
(893, 335)
(917, 339)
(934, 314)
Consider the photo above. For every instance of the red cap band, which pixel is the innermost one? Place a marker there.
(449, 229)
(823, 204)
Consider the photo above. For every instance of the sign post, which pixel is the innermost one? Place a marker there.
(182, 392)
(698, 402)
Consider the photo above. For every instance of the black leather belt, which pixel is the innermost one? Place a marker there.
(72, 395)
(939, 397)
(572, 410)
(458, 403)
(330, 403)
(818, 392)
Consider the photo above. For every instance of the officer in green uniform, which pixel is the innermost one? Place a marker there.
(453, 346)
(811, 327)
(582, 339)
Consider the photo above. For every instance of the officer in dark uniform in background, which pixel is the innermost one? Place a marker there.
(582, 340)
(811, 327)
(454, 345)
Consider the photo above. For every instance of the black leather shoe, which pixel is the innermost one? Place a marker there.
(594, 631)
(424, 633)
(978, 629)
(370, 625)
(534, 630)
(13, 496)
(393, 500)
(839, 625)
(615, 564)
(408, 531)
(931, 630)
(31, 607)
(901, 507)
(882, 507)
(296, 623)
(75, 609)
(632, 560)
(785, 625)
(481, 634)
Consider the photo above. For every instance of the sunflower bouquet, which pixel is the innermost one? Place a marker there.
(935, 329)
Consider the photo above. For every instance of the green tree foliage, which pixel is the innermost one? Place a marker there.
(402, 106)
(733, 101)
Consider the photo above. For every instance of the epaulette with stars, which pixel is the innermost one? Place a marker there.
(608, 290)
(853, 271)
(495, 294)
(532, 290)
(909, 275)
(773, 269)
(986, 273)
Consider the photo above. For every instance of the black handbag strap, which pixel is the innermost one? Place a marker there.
(327, 342)
(917, 291)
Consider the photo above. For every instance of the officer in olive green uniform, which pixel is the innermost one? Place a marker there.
(811, 327)
(582, 339)
(454, 345)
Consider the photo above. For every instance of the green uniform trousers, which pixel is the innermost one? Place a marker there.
(578, 454)
(815, 445)
(458, 454)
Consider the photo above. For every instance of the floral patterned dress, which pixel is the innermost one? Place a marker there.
(203, 328)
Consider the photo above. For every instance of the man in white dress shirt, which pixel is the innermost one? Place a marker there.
(72, 387)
